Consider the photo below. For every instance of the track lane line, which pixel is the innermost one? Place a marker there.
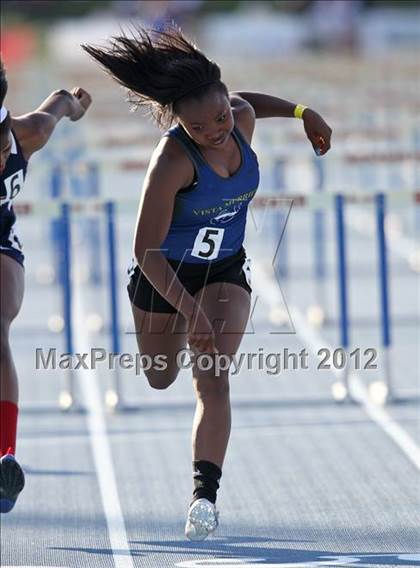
(101, 450)
(269, 292)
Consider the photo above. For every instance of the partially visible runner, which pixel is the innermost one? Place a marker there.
(190, 281)
(20, 137)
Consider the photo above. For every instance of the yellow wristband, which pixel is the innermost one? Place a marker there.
(298, 112)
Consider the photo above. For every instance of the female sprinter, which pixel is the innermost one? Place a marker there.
(191, 279)
(20, 137)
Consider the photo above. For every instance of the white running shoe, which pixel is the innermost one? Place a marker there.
(202, 520)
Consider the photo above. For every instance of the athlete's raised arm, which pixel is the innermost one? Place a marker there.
(34, 129)
(268, 106)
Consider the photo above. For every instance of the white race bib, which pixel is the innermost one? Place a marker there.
(13, 185)
(207, 243)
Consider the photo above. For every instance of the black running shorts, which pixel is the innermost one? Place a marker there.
(234, 269)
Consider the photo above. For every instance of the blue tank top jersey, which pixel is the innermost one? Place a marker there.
(12, 179)
(209, 217)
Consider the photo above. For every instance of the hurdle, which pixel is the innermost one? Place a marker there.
(382, 390)
(113, 395)
(379, 390)
(60, 213)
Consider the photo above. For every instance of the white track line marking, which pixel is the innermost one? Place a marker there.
(101, 450)
(269, 292)
(323, 560)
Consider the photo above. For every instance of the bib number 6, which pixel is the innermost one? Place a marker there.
(13, 185)
(207, 243)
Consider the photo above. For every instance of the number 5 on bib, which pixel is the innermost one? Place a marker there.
(207, 243)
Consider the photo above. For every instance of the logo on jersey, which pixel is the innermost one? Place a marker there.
(12, 184)
(226, 215)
